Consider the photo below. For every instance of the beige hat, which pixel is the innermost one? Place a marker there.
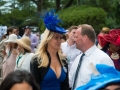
(12, 38)
(24, 42)
(105, 29)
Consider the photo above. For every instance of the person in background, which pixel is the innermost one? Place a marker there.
(69, 47)
(104, 31)
(3, 31)
(25, 55)
(80, 72)
(9, 60)
(38, 36)
(10, 30)
(33, 38)
(17, 32)
(19, 80)
(104, 78)
(111, 46)
(63, 38)
(49, 66)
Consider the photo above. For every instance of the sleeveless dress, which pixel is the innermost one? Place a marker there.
(51, 82)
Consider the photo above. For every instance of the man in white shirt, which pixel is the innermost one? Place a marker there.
(85, 41)
(69, 47)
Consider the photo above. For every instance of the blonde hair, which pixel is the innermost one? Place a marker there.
(43, 59)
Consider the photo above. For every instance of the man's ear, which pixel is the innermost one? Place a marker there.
(85, 37)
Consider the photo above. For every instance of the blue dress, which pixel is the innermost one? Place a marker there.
(51, 82)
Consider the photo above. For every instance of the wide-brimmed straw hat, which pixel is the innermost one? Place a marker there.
(12, 38)
(24, 42)
(113, 37)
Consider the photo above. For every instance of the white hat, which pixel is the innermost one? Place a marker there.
(12, 38)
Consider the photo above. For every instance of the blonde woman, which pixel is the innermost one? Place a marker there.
(49, 66)
(10, 55)
(25, 55)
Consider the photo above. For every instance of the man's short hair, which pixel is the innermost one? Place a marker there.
(89, 31)
(16, 28)
(27, 27)
(71, 28)
(9, 29)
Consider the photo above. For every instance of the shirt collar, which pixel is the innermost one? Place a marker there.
(28, 35)
(90, 50)
(74, 45)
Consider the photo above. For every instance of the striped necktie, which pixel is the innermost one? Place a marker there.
(77, 70)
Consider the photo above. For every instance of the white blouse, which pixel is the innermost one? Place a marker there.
(24, 62)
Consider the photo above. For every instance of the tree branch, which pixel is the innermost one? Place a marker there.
(34, 1)
(68, 4)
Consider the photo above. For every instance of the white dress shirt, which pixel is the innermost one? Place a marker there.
(92, 55)
(71, 52)
(24, 62)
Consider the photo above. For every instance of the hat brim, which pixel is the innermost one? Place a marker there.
(97, 86)
(10, 41)
(104, 39)
(22, 44)
(110, 40)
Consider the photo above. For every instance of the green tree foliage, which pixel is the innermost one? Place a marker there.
(16, 17)
(2, 3)
(77, 15)
(111, 22)
(117, 14)
(98, 13)
(111, 7)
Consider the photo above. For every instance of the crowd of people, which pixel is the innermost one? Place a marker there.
(64, 60)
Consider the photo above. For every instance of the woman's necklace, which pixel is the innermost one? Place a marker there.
(114, 56)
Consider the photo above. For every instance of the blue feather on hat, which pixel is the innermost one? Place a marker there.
(51, 22)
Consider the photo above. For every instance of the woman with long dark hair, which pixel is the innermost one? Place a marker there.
(19, 80)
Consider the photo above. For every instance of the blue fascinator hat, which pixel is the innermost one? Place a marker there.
(51, 22)
(107, 74)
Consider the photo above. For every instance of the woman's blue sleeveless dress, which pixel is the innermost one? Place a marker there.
(51, 82)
